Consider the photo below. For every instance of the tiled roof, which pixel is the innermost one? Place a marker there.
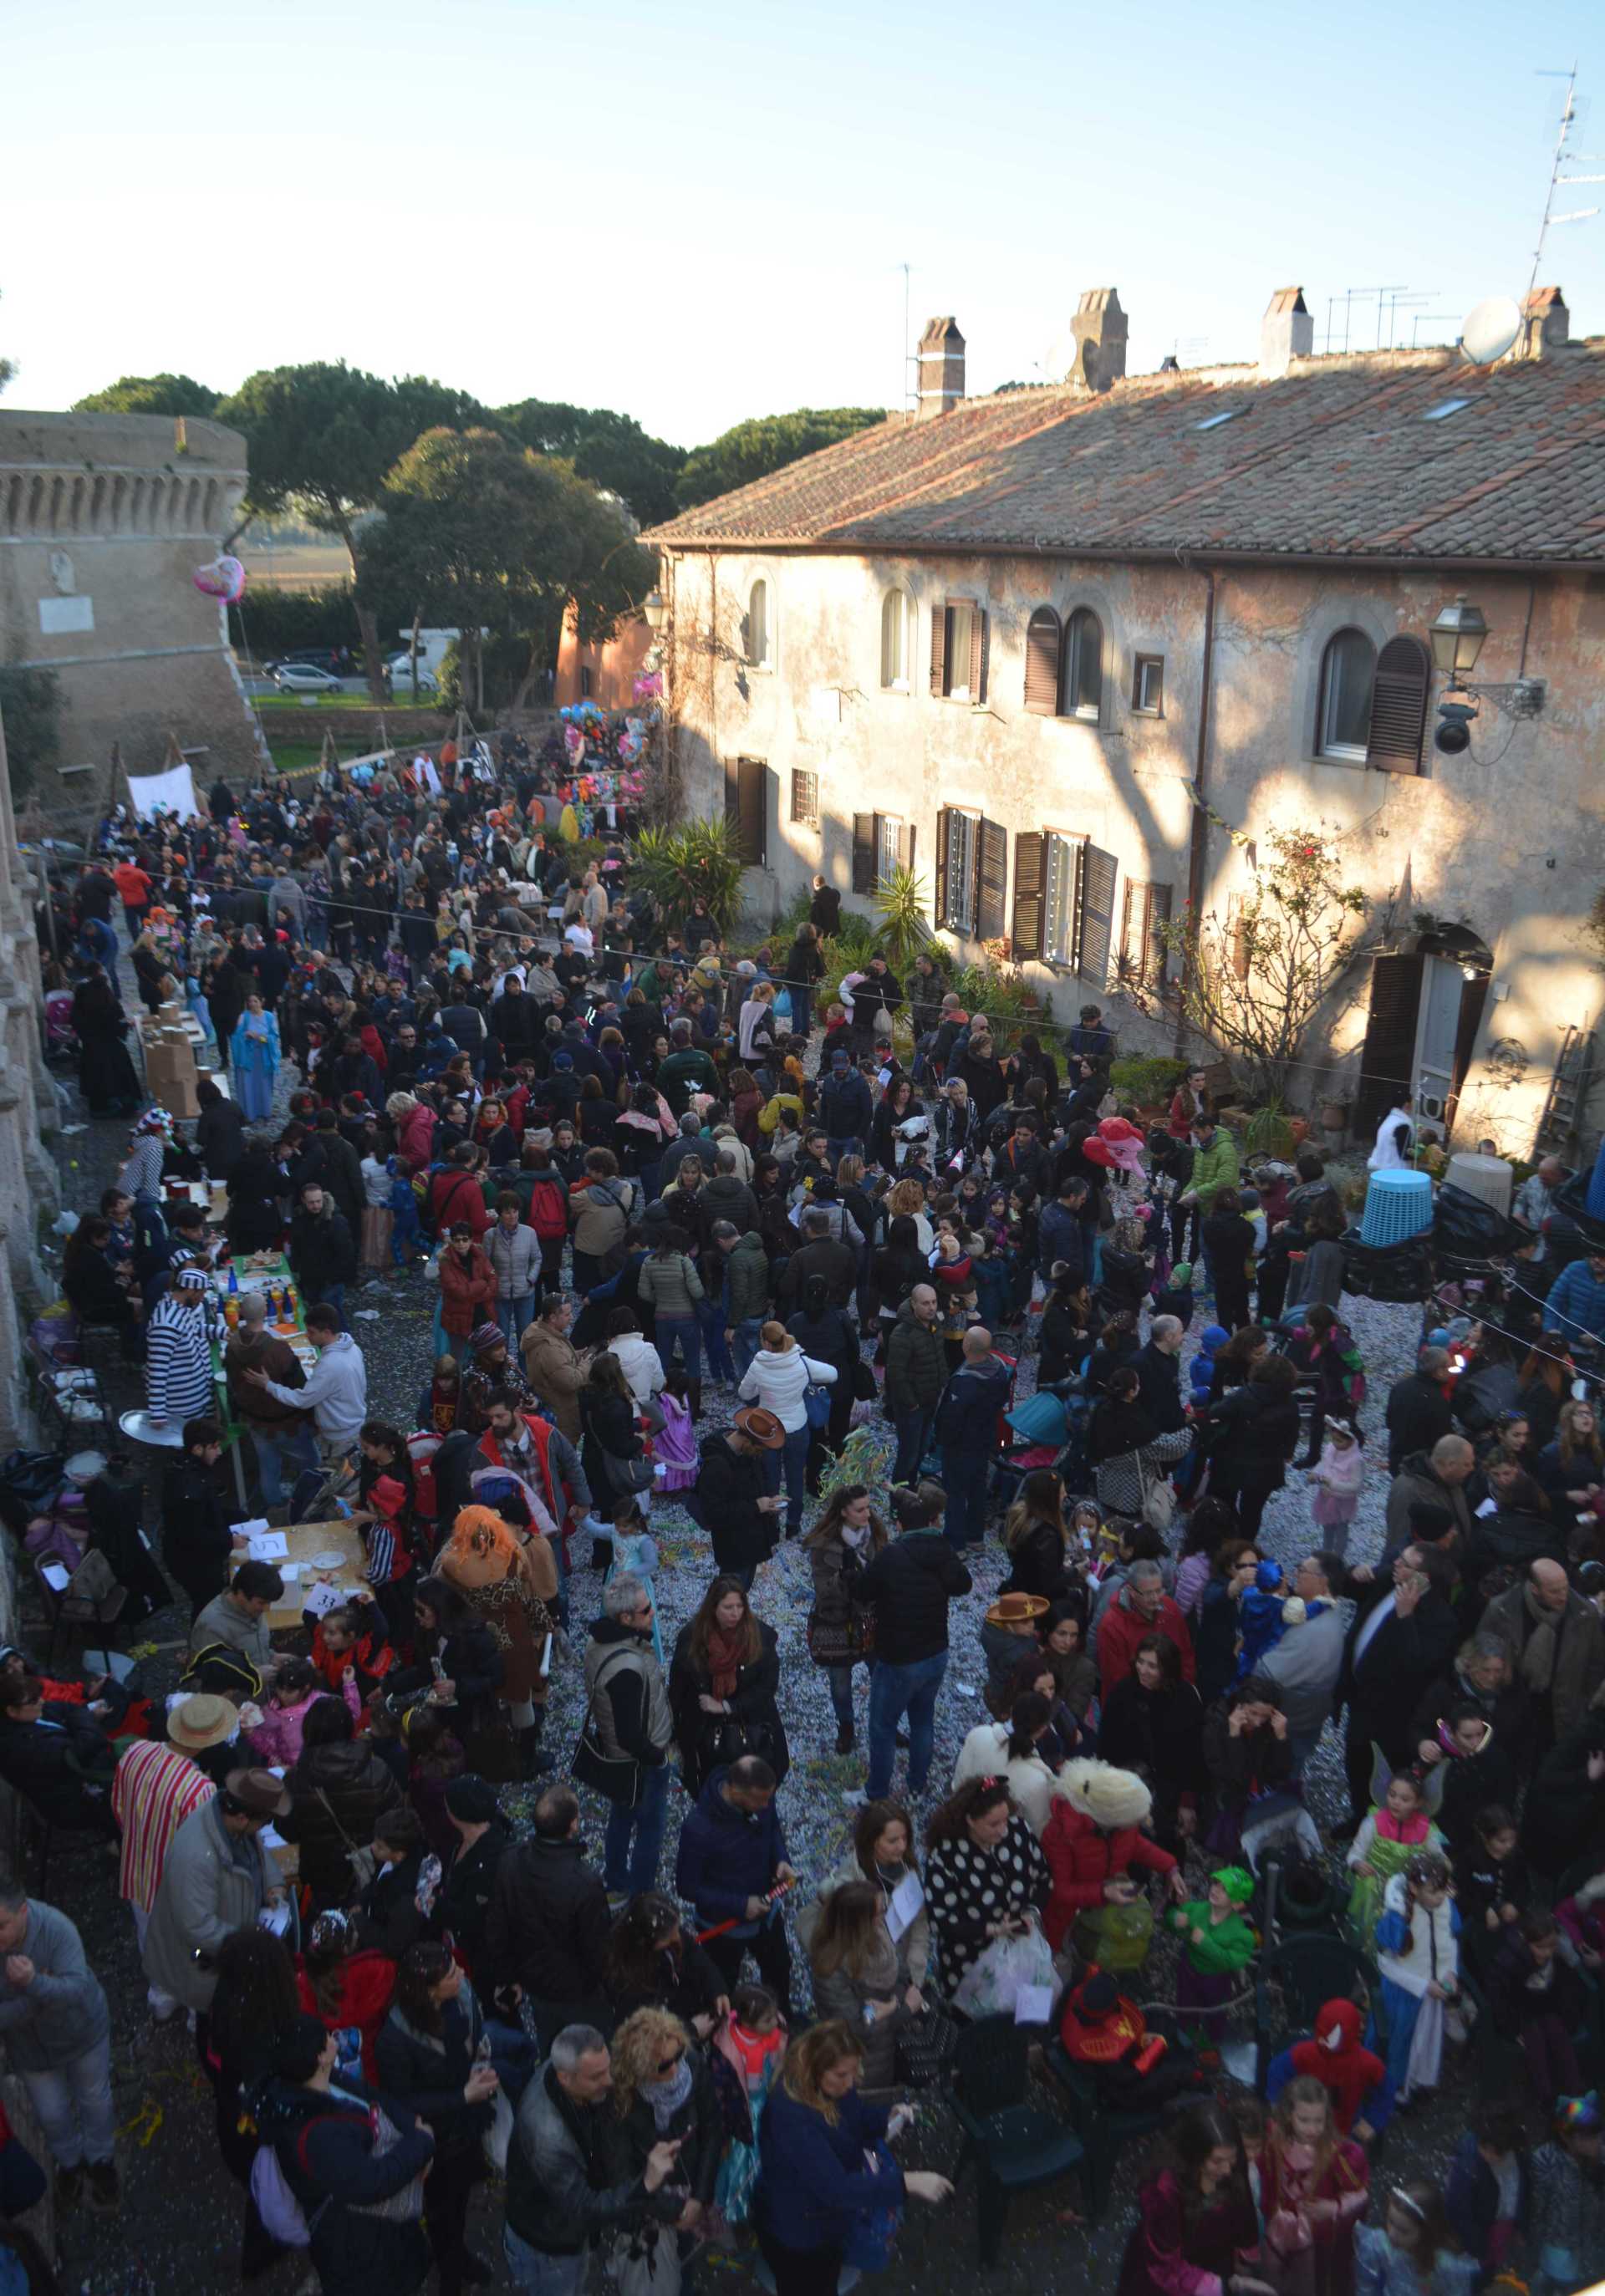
(1337, 459)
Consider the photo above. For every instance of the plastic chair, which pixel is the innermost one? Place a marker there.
(1013, 2146)
(1303, 1971)
(1103, 2134)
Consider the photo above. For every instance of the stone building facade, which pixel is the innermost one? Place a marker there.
(1068, 648)
(103, 520)
(29, 1129)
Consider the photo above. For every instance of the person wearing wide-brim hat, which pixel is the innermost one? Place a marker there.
(216, 1879)
(1093, 1837)
(1009, 1627)
(740, 1514)
(154, 1789)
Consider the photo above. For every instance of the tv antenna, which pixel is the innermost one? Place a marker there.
(1562, 157)
(910, 402)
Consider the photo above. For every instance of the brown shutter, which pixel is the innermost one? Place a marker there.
(941, 866)
(1041, 663)
(905, 845)
(1133, 913)
(939, 649)
(1157, 961)
(977, 660)
(992, 893)
(1099, 873)
(752, 810)
(863, 853)
(1398, 716)
(1030, 894)
(1388, 1060)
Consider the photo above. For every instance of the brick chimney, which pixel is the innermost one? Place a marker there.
(940, 368)
(1545, 322)
(1099, 330)
(1287, 332)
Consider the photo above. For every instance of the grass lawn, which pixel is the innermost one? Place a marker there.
(295, 757)
(335, 702)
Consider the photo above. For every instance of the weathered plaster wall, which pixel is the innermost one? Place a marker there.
(1472, 839)
(104, 520)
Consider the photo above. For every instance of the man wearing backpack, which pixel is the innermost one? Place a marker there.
(543, 1194)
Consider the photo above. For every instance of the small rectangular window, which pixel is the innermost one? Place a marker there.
(584, 680)
(1444, 409)
(1148, 686)
(805, 799)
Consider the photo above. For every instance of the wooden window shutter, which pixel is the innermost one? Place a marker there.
(977, 660)
(1030, 894)
(1133, 925)
(992, 890)
(733, 793)
(863, 852)
(941, 866)
(751, 788)
(1041, 663)
(1145, 911)
(1098, 875)
(939, 649)
(1388, 1060)
(1158, 950)
(905, 845)
(1398, 717)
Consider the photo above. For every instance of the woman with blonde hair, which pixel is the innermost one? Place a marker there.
(824, 2165)
(662, 2093)
(907, 1200)
(1314, 2186)
(780, 1378)
(507, 1585)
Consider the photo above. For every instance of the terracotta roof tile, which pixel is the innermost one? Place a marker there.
(1335, 459)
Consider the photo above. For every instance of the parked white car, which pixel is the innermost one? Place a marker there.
(400, 666)
(305, 677)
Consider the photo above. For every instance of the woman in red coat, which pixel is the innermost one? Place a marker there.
(1093, 1837)
(1196, 2234)
(467, 1288)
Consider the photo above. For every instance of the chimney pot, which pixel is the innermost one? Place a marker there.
(940, 368)
(1287, 332)
(1545, 322)
(1099, 330)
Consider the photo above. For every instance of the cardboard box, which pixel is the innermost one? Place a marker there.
(176, 1095)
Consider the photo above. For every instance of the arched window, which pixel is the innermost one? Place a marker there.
(758, 625)
(1082, 695)
(1348, 672)
(896, 621)
(1042, 663)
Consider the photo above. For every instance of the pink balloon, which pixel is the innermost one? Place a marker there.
(222, 578)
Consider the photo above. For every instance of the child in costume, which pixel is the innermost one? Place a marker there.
(1412, 2252)
(1261, 1623)
(1354, 2077)
(635, 1556)
(1134, 2070)
(1217, 1946)
(1313, 2182)
(1338, 1479)
(1393, 1830)
(1417, 1960)
(748, 2047)
(1211, 1340)
(1566, 2220)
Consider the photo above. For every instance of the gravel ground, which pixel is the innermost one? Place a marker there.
(164, 2108)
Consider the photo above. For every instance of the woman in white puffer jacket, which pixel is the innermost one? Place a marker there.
(779, 1379)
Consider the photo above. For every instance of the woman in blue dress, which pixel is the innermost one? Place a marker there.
(254, 1051)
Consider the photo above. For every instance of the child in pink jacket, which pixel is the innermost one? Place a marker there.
(1338, 1479)
(273, 1731)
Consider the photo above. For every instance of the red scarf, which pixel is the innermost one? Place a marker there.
(727, 1655)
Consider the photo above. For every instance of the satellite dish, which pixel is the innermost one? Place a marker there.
(1058, 361)
(1490, 329)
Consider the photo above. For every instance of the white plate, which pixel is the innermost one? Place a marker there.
(332, 1560)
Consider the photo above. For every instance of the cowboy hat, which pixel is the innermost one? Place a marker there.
(201, 1721)
(760, 1426)
(258, 1792)
(1017, 1609)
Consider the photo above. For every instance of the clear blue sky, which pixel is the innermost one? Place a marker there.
(695, 210)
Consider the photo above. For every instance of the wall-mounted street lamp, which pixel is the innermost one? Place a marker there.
(654, 607)
(1458, 634)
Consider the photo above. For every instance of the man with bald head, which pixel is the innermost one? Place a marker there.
(1556, 1645)
(1437, 1479)
(967, 1418)
(915, 1375)
(1158, 1368)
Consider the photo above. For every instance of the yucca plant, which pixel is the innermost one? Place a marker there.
(697, 860)
(900, 901)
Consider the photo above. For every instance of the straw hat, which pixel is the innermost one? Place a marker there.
(201, 1721)
(761, 1426)
(1017, 1609)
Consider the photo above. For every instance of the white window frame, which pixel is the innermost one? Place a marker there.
(896, 601)
(809, 819)
(959, 647)
(961, 914)
(1075, 627)
(1141, 706)
(1349, 753)
(890, 827)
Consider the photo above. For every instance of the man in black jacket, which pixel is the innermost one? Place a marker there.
(197, 1544)
(344, 1168)
(546, 1932)
(909, 1584)
(323, 1251)
(730, 1497)
(1403, 1637)
(1158, 1368)
(1418, 1410)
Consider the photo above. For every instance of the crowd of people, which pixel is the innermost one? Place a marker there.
(689, 1228)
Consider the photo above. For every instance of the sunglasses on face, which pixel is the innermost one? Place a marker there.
(667, 2064)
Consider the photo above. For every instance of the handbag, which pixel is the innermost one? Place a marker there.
(364, 1863)
(618, 1776)
(840, 1642)
(1158, 1499)
(815, 1402)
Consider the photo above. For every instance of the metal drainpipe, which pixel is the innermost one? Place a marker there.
(1198, 854)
